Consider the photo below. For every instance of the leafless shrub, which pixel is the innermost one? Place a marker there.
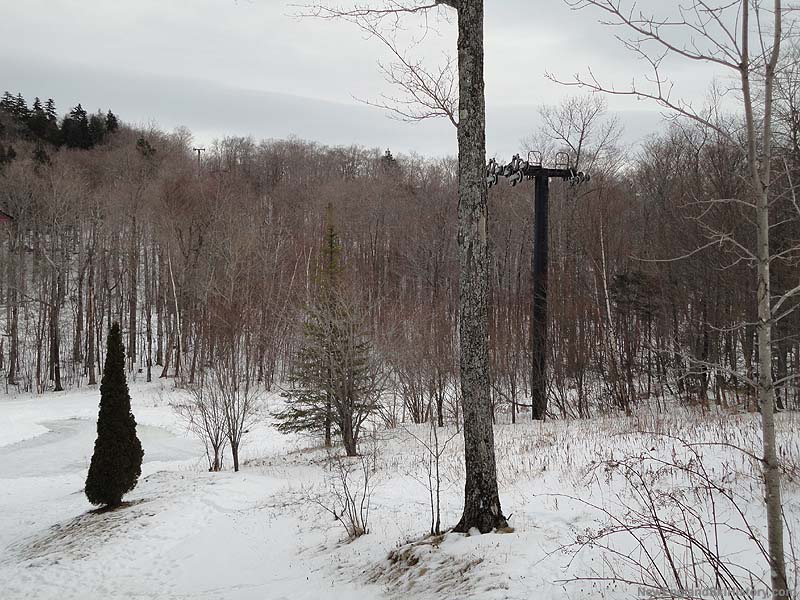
(349, 484)
(223, 406)
(204, 414)
(434, 442)
(679, 527)
(234, 381)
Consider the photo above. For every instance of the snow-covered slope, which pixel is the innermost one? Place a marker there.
(263, 534)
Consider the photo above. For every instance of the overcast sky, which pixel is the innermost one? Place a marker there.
(249, 67)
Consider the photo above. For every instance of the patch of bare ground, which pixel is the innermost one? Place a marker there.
(80, 536)
(423, 568)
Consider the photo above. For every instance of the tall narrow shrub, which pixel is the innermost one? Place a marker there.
(117, 459)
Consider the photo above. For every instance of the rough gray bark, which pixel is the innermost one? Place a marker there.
(481, 499)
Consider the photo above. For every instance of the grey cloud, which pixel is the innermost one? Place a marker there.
(211, 110)
(246, 67)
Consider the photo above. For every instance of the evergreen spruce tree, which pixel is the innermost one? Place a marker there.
(112, 122)
(7, 103)
(97, 128)
(335, 380)
(389, 165)
(310, 407)
(53, 133)
(335, 383)
(38, 120)
(117, 459)
(75, 129)
(50, 110)
(21, 110)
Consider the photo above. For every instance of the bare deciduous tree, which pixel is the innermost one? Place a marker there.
(737, 37)
(205, 417)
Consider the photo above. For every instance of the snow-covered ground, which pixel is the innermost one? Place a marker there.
(261, 534)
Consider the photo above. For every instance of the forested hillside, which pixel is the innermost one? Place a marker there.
(196, 252)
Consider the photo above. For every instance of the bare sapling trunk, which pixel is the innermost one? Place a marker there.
(760, 176)
(15, 269)
(133, 290)
(148, 301)
(177, 327)
(159, 283)
(234, 379)
(55, 318)
(328, 412)
(90, 321)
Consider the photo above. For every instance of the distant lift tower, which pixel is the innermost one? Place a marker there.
(516, 171)
(198, 151)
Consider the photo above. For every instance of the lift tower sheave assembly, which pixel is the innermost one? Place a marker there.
(515, 172)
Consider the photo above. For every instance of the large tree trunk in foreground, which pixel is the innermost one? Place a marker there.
(481, 499)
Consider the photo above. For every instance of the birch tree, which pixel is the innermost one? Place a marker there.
(742, 38)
